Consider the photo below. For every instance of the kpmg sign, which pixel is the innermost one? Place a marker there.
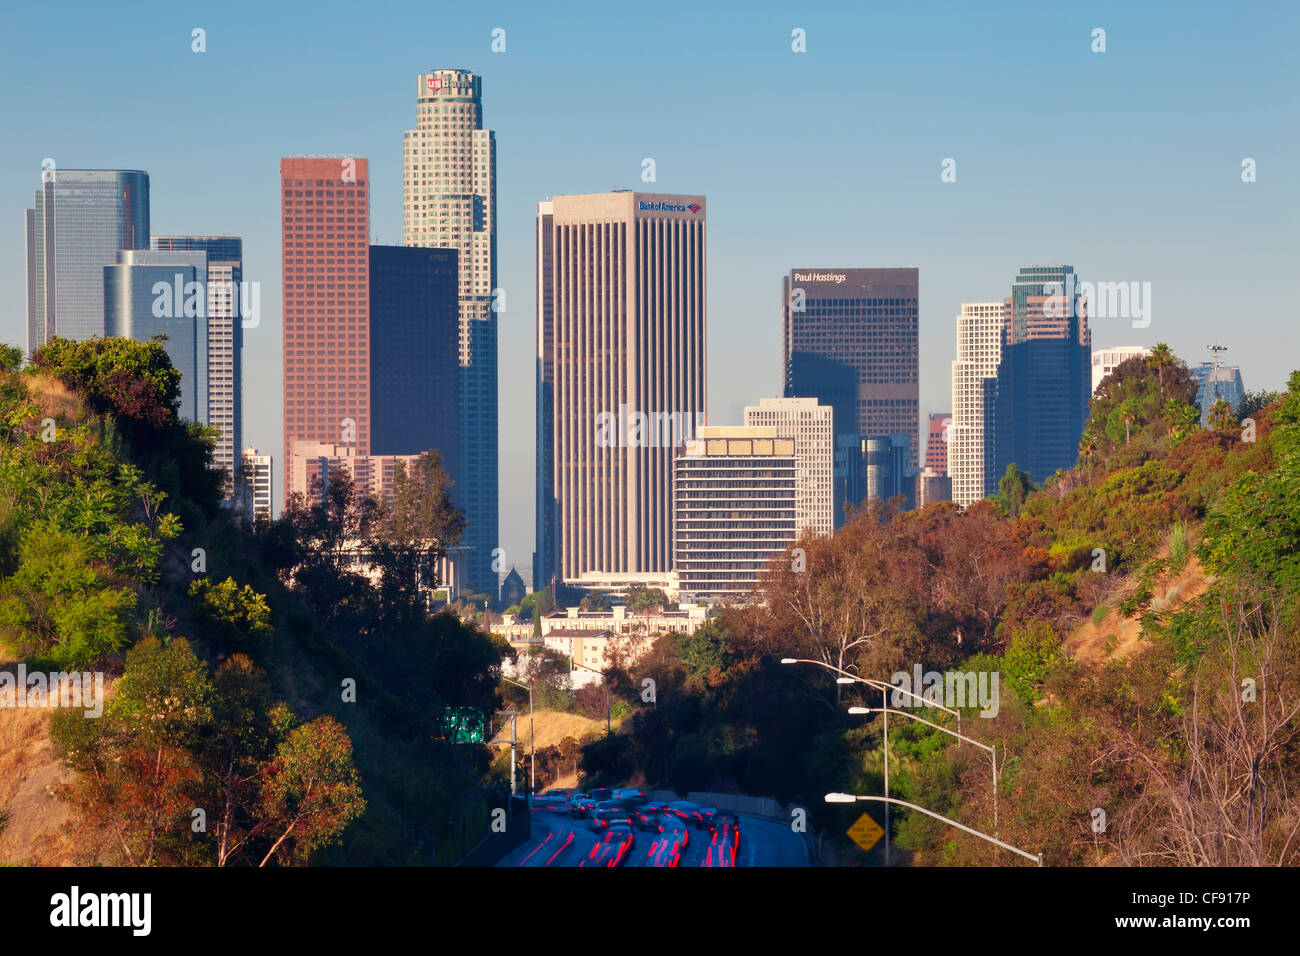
(668, 207)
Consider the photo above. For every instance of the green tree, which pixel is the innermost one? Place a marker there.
(1160, 358)
(1253, 402)
(1220, 416)
(1014, 488)
(231, 617)
(61, 603)
(311, 790)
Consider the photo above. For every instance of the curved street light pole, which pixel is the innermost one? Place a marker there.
(992, 749)
(852, 797)
(846, 677)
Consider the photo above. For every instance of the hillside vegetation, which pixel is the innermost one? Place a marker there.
(267, 704)
(1140, 612)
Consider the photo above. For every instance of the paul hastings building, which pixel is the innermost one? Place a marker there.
(620, 379)
(849, 339)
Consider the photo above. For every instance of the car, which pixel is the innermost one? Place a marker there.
(630, 795)
(725, 843)
(692, 813)
(725, 816)
(601, 793)
(683, 809)
(580, 806)
(684, 833)
(612, 848)
(621, 830)
(646, 816)
(602, 818)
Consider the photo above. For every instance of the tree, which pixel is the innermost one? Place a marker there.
(142, 778)
(1014, 488)
(247, 725)
(1160, 358)
(61, 602)
(1221, 417)
(312, 790)
(412, 532)
(11, 358)
(232, 617)
(1253, 402)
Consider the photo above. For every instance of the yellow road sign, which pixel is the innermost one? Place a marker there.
(866, 832)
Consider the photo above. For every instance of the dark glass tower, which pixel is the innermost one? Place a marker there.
(414, 363)
(850, 340)
(1044, 379)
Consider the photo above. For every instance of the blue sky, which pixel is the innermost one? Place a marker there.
(1125, 164)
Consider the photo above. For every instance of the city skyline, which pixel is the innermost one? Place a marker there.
(1145, 211)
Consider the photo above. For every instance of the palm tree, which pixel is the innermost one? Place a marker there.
(1221, 417)
(1160, 358)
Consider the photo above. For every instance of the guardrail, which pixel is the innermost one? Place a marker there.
(519, 828)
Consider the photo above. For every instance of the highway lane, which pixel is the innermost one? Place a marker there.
(560, 840)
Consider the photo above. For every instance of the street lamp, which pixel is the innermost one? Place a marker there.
(604, 680)
(852, 798)
(846, 678)
(992, 749)
(532, 740)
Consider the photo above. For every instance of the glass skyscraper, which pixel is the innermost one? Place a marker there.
(225, 256)
(850, 340)
(1044, 377)
(414, 374)
(80, 220)
(150, 293)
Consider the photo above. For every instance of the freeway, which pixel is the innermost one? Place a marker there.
(559, 840)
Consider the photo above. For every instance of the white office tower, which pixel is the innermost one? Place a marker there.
(449, 201)
(812, 429)
(974, 399)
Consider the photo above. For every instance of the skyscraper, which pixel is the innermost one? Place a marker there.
(225, 310)
(626, 316)
(545, 553)
(812, 428)
(449, 201)
(414, 374)
(80, 220)
(980, 329)
(1044, 379)
(325, 218)
(850, 340)
(148, 293)
(734, 508)
(257, 486)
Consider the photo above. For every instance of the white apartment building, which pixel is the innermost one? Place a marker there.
(1104, 361)
(974, 383)
(257, 469)
(812, 428)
